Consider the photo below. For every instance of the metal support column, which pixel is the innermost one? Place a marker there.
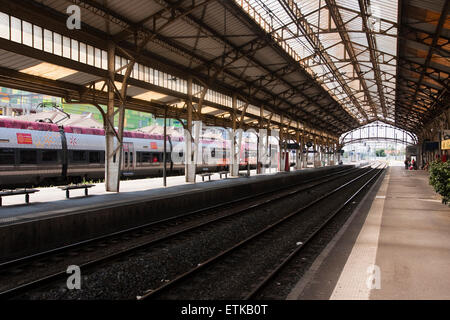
(259, 165)
(338, 154)
(332, 154)
(189, 159)
(268, 146)
(304, 155)
(165, 149)
(329, 154)
(281, 156)
(316, 153)
(299, 151)
(113, 154)
(235, 145)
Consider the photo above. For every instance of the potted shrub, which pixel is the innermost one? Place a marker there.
(440, 179)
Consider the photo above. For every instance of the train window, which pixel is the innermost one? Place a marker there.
(7, 156)
(213, 152)
(94, 157)
(146, 157)
(49, 155)
(28, 156)
(79, 156)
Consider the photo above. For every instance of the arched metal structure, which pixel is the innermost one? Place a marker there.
(377, 131)
(313, 68)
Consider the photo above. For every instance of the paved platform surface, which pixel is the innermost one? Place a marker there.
(52, 200)
(395, 246)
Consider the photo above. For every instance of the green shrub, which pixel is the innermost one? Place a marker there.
(440, 179)
(380, 153)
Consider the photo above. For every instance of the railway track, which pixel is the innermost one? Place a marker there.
(152, 234)
(213, 271)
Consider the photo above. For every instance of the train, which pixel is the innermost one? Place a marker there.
(41, 153)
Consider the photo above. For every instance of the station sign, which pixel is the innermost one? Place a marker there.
(445, 144)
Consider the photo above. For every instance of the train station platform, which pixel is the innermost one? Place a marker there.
(51, 220)
(52, 200)
(396, 245)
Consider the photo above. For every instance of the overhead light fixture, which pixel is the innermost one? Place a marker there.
(49, 71)
(150, 95)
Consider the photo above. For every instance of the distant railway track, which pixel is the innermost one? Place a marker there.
(285, 261)
(232, 257)
(161, 231)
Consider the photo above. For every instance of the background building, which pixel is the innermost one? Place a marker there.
(16, 103)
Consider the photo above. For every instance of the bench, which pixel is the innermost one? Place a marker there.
(203, 175)
(224, 173)
(128, 174)
(26, 192)
(76, 186)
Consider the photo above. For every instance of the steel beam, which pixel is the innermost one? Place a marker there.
(373, 55)
(343, 32)
(294, 11)
(436, 37)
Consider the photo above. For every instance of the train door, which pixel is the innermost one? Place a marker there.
(128, 157)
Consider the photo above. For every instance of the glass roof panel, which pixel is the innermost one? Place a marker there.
(348, 46)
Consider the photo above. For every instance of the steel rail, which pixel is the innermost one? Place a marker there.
(216, 258)
(300, 247)
(61, 274)
(40, 255)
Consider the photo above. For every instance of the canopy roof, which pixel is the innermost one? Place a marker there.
(379, 61)
(320, 66)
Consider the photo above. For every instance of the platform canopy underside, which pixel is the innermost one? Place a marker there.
(322, 66)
